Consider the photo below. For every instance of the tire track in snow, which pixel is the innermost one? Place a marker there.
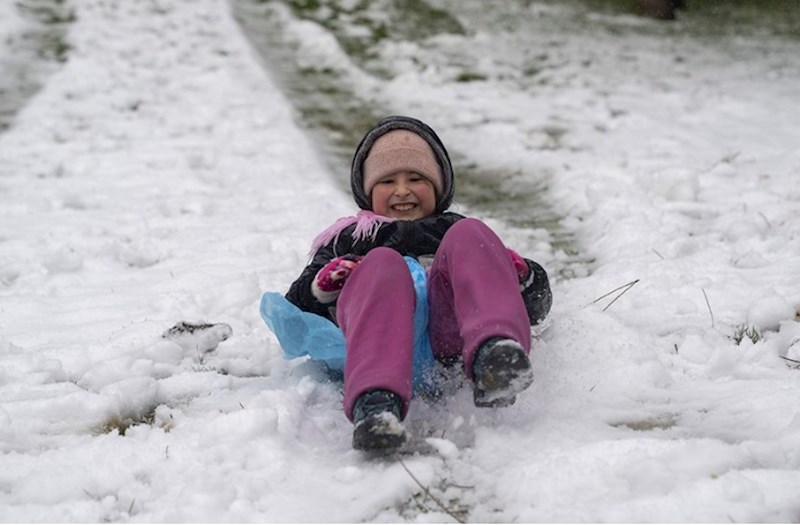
(32, 51)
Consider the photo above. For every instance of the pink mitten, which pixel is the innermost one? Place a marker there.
(519, 265)
(331, 278)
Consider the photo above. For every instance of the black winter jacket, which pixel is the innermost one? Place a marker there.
(419, 239)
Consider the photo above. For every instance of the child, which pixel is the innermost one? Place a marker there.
(482, 297)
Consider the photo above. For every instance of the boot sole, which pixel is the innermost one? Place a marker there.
(379, 432)
(507, 372)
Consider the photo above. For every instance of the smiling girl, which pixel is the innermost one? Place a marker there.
(481, 297)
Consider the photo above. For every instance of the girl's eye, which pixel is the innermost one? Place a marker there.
(386, 181)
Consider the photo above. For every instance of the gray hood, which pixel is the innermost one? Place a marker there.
(386, 125)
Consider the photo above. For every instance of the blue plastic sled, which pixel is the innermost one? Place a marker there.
(302, 333)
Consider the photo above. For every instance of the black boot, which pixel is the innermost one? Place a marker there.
(502, 370)
(376, 415)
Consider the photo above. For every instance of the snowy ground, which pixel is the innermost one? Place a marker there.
(160, 176)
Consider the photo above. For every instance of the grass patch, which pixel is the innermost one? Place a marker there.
(745, 331)
(425, 501)
(52, 16)
(468, 76)
(710, 18)
(377, 20)
(121, 423)
(662, 422)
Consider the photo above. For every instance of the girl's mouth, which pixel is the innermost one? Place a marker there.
(404, 206)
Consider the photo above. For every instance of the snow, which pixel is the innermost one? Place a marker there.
(161, 176)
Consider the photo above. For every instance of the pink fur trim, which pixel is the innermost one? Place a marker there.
(367, 225)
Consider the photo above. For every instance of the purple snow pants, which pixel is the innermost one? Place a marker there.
(473, 293)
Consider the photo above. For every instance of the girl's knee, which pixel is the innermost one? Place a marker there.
(470, 229)
(386, 263)
(383, 256)
(469, 224)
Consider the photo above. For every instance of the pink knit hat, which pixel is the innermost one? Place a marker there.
(401, 150)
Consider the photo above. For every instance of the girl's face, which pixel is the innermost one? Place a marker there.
(404, 195)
